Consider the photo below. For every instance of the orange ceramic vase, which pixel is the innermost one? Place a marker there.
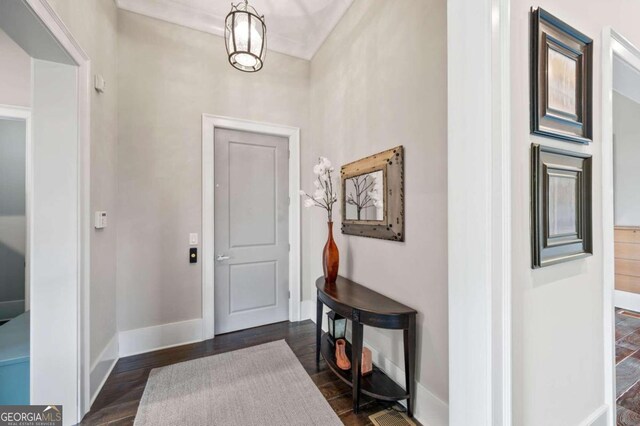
(330, 257)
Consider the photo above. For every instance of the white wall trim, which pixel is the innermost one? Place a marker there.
(209, 123)
(612, 44)
(626, 300)
(479, 137)
(148, 339)
(596, 415)
(43, 10)
(429, 409)
(103, 365)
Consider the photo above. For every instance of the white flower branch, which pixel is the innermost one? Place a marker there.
(324, 196)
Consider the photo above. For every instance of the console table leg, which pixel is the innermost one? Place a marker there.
(318, 328)
(410, 363)
(356, 361)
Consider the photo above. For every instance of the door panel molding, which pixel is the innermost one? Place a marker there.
(209, 124)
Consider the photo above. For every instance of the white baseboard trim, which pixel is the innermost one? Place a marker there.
(598, 417)
(102, 367)
(429, 410)
(11, 309)
(626, 300)
(141, 340)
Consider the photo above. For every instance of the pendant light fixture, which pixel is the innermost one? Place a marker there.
(245, 37)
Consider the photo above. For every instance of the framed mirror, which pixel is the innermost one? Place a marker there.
(373, 196)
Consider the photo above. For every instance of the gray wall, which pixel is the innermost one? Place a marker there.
(94, 25)
(558, 310)
(168, 76)
(13, 231)
(379, 81)
(626, 150)
(15, 73)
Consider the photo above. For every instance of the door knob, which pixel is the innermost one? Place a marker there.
(221, 257)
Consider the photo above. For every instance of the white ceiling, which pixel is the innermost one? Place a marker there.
(295, 27)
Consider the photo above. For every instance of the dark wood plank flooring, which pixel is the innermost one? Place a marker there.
(627, 368)
(118, 400)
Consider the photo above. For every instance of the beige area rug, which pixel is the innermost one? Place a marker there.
(261, 385)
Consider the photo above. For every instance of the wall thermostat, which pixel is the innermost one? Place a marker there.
(101, 220)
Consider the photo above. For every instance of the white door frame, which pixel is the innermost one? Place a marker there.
(209, 124)
(613, 43)
(19, 113)
(43, 10)
(479, 205)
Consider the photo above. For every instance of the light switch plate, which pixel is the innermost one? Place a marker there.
(193, 239)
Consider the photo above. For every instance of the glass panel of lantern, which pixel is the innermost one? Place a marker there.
(337, 326)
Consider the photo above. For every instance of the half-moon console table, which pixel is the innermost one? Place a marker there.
(366, 307)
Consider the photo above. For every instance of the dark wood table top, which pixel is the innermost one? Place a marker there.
(359, 297)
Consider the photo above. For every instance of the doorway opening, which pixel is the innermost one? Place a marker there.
(55, 77)
(268, 256)
(621, 225)
(15, 161)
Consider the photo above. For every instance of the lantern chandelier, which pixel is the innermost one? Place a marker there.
(245, 36)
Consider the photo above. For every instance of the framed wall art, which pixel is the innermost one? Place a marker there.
(561, 206)
(561, 79)
(373, 196)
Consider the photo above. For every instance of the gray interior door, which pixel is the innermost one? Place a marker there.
(251, 230)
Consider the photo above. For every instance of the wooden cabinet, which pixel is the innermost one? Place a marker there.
(627, 254)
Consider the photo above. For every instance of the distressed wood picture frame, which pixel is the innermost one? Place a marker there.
(561, 79)
(390, 224)
(561, 217)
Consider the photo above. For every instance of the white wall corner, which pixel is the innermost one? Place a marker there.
(148, 339)
(102, 367)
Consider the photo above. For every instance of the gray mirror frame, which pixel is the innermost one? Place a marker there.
(391, 162)
(546, 249)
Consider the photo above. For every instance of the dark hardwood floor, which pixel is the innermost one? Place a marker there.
(627, 368)
(118, 401)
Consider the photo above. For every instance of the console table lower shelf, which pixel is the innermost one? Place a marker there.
(376, 385)
(364, 306)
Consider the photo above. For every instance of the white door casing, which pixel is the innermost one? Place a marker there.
(613, 44)
(79, 303)
(479, 221)
(209, 124)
